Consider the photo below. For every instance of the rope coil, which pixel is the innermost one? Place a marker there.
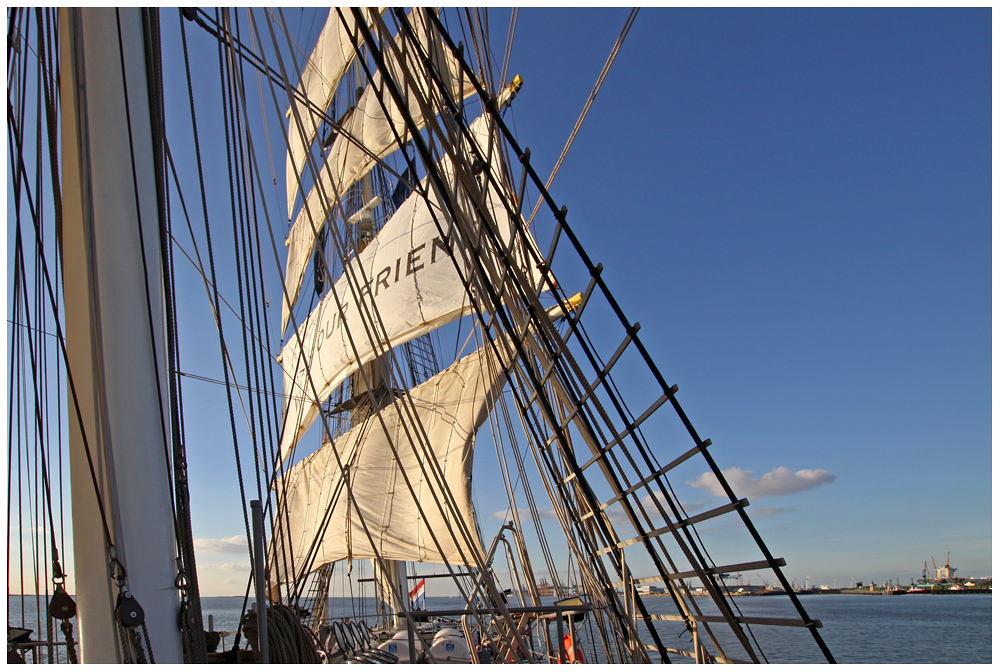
(288, 640)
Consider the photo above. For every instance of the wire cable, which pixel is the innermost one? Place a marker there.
(590, 101)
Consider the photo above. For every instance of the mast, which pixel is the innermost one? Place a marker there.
(572, 420)
(393, 582)
(115, 336)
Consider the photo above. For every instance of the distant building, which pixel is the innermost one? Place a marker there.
(651, 590)
(946, 572)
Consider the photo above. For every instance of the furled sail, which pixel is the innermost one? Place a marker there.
(333, 54)
(319, 523)
(412, 282)
(368, 135)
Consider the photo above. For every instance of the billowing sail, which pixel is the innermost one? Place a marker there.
(319, 523)
(334, 51)
(410, 279)
(368, 135)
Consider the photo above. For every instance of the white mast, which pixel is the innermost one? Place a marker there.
(118, 373)
(395, 587)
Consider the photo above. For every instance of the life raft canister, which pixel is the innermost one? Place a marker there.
(449, 646)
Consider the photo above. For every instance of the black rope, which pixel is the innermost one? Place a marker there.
(19, 265)
(492, 108)
(187, 579)
(328, 512)
(274, 472)
(215, 291)
(43, 512)
(14, 428)
(215, 296)
(252, 248)
(41, 384)
(616, 308)
(12, 40)
(233, 105)
(50, 85)
(236, 204)
(375, 322)
(18, 161)
(39, 497)
(39, 438)
(40, 391)
(353, 345)
(236, 207)
(145, 272)
(491, 294)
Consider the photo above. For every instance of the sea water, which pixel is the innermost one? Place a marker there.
(861, 628)
(856, 628)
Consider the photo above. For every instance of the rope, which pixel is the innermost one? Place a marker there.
(145, 269)
(133, 637)
(17, 160)
(586, 107)
(211, 263)
(288, 640)
(51, 112)
(510, 44)
(256, 175)
(19, 282)
(29, 346)
(67, 629)
(186, 580)
(368, 324)
(196, 261)
(488, 289)
(231, 127)
(242, 199)
(268, 408)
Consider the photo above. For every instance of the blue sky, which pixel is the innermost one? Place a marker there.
(796, 206)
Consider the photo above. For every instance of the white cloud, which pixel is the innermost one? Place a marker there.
(237, 544)
(769, 511)
(227, 567)
(780, 481)
(544, 514)
(234, 566)
(689, 507)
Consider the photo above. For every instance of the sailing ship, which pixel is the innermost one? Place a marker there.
(356, 431)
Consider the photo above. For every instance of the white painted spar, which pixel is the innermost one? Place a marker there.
(119, 379)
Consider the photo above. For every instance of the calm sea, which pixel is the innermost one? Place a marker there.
(856, 628)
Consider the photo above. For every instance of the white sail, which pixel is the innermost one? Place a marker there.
(413, 284)
(450, 408)
(368, 135)
(333, 54)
